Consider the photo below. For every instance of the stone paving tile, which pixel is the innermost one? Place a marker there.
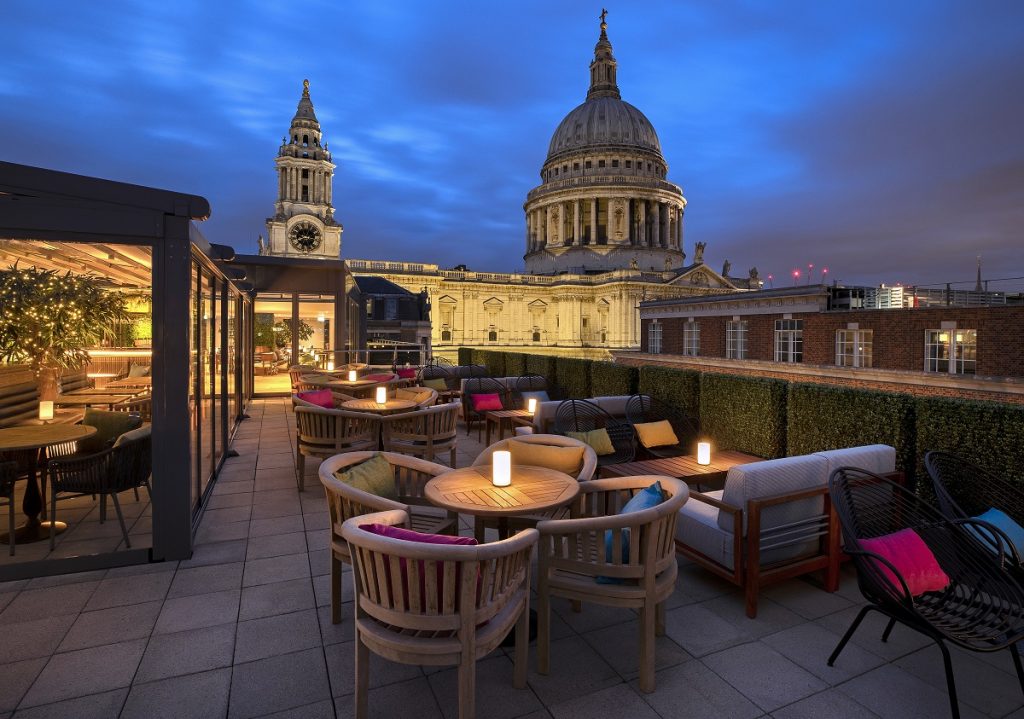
(106, 626)
(279, 634)
(188, 652)
(17, 678)
(276, 525)
(619, 700)
(810, 645)
(94, 706)
(830, 703)
(893, 693)
(275, 545)
(496, 698)
(978, 684)
(576, 670)
(764, 676)
(203, 580)
(201, 610)
(275, 569)
(266, 600)
(269, 685)
(619, 645)
(319, 710)
(692, 691)
(217, 553)
(86, 671)
(48, 602)
(341, 669)
(34, 638)
(394, 700)
(196, 696)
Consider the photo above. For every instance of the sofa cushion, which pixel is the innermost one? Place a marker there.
(142, 432)
(437, 383)
(109, 426)
(598, 439)
(320, 398)
(138, 370)
(407, 373)
(485, 402)
(562, 459)
(615, 405)
(656, 434)
(775, 476)
(374, 475)
(912, 558)
(379, 377)
(1003, 522)
(540, 395)
(877, 458)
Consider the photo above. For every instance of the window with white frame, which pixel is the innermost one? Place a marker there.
(654, 337)
(691, 339)
(952, 351)
(736, 339)
(853, 348)
(789, 340)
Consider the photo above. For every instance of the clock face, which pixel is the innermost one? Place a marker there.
(304, 236)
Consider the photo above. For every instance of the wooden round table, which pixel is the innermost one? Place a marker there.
(470, 491)
(370, 405)
(27, 442)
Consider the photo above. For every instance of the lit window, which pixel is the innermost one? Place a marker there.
(952, 351)
(654, 338)
(736, 339)
(789, 340)
(853, 348)
(691, 339)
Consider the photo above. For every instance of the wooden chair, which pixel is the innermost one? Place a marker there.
(296, 371)
(8, 476)
(572, 555)
(579, 415)
(324, 433)
(424, 433)
(422, 396)
(457, 605)
(142, 406)
(345, 502)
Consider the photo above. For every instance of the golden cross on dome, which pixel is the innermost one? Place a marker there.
(305, 87)
(604, 15)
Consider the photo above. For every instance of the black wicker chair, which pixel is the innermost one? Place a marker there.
(106, 473)
(8, 475)
(982, 607)
(964, 490)
(579, 415)
(481, 385)
(531, 383)
(641, 409)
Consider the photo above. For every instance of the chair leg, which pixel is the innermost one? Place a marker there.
(647, 622)
(467, 686)
(335, 589)
(849, 633)
(362, 677)
(11, 533)
(452, 459)
(1016, 664)
(947, 661)
(136, 490)
(300, 460)
(888, 629)
(120, 518)
(522, 645)
(659, 620)
(53, 521)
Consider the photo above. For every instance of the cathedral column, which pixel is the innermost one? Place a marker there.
(656, 233)
(576, 222)
(593, 221)
(547, 224)
(642, 240)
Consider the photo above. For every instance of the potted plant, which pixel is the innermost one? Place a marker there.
(49, 318)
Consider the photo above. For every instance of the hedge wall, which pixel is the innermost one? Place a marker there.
(822, 417)
(608, 378)
(990, 434)
(465, 355)
(493, 361)
(573, 377)
(515, 364)
(546, 367)
(674, 387)
(744, 413)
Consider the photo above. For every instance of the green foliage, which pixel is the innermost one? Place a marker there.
(465, 356)
(674, 387)
(263, 329)
(48, 319)
(744, 413)
(515, 364)
(822, 417)
(547, 367)
(493, 361)
(608, 378)
(573, 377)
(990, 434)
(283, 332)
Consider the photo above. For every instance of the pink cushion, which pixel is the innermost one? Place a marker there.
(321, 398)
(379, 377)
(407, 373)
(486, 402)
(911, 557)
(409, 535)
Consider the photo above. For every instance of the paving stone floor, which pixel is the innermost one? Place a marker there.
(242, 629)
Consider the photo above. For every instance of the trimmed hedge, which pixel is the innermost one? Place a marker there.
(822, 417)
(546, 367)
(608, 378)
(574, 377)
(515, 364)
(675, 387)
(744, 413)
(465, 356)
(493, 361)
(990, 434)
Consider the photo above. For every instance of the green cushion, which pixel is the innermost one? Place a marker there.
(375, 476)
(109, 426)
(598, 439)
(144, 431)
(437, 383)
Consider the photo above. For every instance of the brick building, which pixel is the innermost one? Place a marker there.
(800, 334)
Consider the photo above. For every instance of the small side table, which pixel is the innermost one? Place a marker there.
(502, 417)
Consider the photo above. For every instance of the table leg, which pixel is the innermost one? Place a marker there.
(487, 421)
(33, 530)
(478, 529)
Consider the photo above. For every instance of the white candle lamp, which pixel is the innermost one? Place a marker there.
(46, 411)
(501, 468)
(351, 375)
(531, 405)
(330, 365)
(382, 395)
(703, 453)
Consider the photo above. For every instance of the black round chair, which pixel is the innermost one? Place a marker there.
(641, 409)
(481, 385)
(531, 383)
(579, 415)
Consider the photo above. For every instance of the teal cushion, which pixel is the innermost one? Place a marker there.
(649, 497)
(1002, 521)
(375, 475)
(109, 426)
(539, 395)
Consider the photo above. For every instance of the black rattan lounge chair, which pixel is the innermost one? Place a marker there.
(579, 415)
(481, 385)
(980, 609)
(641, 409)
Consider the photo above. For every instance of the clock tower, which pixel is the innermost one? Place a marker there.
(303, 224)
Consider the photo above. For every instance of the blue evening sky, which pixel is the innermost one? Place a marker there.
(882, 139)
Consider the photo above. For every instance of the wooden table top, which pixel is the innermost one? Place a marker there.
(132, 382)
(84, 400)
(533, 489)
(370, 405)
(682, 467)
(42, 435)
(60, 416)
(503, 413)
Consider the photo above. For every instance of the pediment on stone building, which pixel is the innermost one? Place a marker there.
(538, 305)
(447, 300)
(701, 275)
(493, 303)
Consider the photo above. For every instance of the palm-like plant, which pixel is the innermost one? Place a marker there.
(47, 319)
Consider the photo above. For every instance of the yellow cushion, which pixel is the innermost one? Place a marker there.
(375, 475)
(437, 383)
(598, 439)
(656, 434)
(563, 459)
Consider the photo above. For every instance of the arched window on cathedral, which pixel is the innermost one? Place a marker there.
(305, 140)
(446, 335)
(536, 335)
(492, 336)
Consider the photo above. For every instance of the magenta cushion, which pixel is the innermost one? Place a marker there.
(407, 373)
(321, 398)
(379, 377)
(911, 557)
(486, 402)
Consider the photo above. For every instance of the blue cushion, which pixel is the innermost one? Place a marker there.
(539, 395)
(645, 499)
(1000, 520)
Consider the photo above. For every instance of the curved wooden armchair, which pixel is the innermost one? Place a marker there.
(457, 604)
(424, 433)
(573, 555)
(579, 415)
(554, 440)
(981, 608)
(345, 502)
(422, 396)
(296, 371)
(324, 433)
(142, 406)
(641, 409)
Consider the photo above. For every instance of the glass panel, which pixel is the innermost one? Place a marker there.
(207, 411)
(272, 327)
(316, 331)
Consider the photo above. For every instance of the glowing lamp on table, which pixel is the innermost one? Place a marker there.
(501, 468)
(703, 453)
(382, 395)
(330, 365)
(351, 375)
(46, 411)
(531, 405)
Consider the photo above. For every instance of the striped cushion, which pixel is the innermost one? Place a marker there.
(775, 476)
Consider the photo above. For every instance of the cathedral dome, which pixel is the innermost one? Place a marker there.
(603, 122)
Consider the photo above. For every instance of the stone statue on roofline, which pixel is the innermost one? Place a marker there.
(262, 245)
(698, 252)
(726, 266)
(754, 276)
